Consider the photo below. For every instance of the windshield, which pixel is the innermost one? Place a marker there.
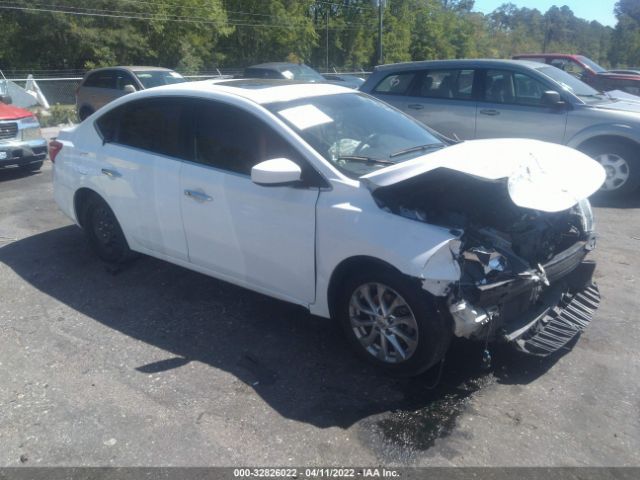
(301, 72)
(157, 78)
(591, 64)
(572, 84)
(356, 133)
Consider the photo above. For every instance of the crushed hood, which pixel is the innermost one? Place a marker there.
(540, 176)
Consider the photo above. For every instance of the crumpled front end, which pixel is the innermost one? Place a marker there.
(509, 273)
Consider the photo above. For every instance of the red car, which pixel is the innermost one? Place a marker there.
(588, 71)
(21, 142)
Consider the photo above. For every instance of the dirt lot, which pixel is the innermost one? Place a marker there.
(157, 365)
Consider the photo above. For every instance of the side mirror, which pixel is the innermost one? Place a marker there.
(552, 99)
(128, 88)
(6, 99)
(279, 171)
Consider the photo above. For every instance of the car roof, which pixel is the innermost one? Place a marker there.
(548, 55)
(260, 91)
(133, 68)
(275, 65)
(463, 63)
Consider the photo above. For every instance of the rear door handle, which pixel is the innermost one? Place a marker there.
(111, 173)
(490, 112)
(198, 196)
(416, 106)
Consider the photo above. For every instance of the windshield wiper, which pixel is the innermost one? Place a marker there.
(417, 148)
(357, 158)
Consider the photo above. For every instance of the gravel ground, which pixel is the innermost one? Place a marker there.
(156, 365)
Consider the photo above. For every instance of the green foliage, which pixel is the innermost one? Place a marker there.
(57, 115)
(624, 49)
(198, 35)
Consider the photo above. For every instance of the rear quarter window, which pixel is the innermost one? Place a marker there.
(156, 125)
(396, 83)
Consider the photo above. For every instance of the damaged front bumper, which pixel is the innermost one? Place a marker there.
(565, 311)
(538, 311)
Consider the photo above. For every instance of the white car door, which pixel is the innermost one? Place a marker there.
(258, 236)
(140, 164)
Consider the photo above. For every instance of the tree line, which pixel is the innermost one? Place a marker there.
(201, 35)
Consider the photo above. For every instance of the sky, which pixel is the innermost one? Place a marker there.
(600, 10)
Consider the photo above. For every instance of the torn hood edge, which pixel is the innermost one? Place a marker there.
(540, 175)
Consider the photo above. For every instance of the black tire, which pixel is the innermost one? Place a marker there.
(84, 113)
(32, 167)
(434, 330)
(631, 158)
(104, 232)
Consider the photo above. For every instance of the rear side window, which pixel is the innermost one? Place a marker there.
(396, 84)
(101, 79)
(155, 125)
(457, 84)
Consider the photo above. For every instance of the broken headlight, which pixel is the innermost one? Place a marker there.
(586, 215)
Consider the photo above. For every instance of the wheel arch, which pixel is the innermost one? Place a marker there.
(80, 202)
(345, 268)
(597, 139)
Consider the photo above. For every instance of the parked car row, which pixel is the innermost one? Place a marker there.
(326, 197)
(103, 85)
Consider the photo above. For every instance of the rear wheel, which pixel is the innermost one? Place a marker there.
(621, 164)
(392, 323)
(104, 233)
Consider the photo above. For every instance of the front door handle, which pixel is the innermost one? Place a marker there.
(490, 112)
(198, 196)
(416, 106)
(111, 173)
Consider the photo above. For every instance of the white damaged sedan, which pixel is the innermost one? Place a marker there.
(333, 200)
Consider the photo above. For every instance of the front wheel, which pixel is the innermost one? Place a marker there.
(621, 164)
(392, 323)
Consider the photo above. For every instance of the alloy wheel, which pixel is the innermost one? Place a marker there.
(383, 323)
(616, 168)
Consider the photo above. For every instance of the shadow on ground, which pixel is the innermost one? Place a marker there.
(603, 200)
(14, 173)
(299, 364)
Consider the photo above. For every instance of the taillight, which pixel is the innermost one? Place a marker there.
(54, 149)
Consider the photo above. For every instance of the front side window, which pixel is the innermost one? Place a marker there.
(502, 86)
(456, 84)
(592, 65)
(123, 79)
(356, 133)
(235, 140)
(153, 78)
(569, 66)
(396, 84)
(155, 125)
